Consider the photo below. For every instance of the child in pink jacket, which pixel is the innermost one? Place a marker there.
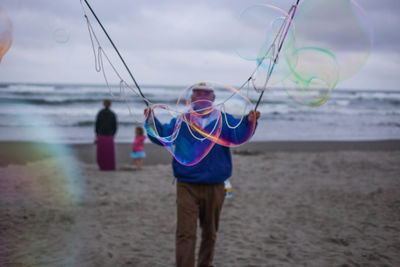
(138, 153)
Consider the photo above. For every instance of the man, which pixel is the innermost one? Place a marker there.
(200, 191)
(106, 127)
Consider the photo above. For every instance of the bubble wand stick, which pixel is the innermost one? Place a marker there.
(123, 61)
(293, 11)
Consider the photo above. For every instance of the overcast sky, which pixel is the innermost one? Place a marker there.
(171, 42)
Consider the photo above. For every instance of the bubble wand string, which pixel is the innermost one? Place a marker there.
(293, 10)
(278, 42)
(123, 61)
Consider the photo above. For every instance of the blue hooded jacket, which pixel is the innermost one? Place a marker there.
(216, 166)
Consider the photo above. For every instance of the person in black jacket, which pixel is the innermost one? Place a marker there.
(106, 127)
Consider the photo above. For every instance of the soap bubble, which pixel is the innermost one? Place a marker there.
(6, 33)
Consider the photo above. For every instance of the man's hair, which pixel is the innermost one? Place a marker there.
(107, 103)
(140, 130)
(203, 86)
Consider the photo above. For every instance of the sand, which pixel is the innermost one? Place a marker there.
(294, 204)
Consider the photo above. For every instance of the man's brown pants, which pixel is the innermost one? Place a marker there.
(203, 201)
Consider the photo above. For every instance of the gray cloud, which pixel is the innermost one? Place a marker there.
(169, 42)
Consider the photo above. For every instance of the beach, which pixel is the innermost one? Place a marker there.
(294, 204)
(310, 87)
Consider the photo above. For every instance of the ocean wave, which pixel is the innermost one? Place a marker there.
(29, 87)
(374, 96)
(92, 123)
(59, 100)
(38, 101)
(395, 102)
(390, 124)
(76, 106)
(58, 124)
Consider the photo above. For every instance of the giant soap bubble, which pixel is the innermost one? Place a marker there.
(260, 30)
(196, 124)
(310, 83)
(44, 193)
(339, 27)
(331, 42)
(6, 33)
(328, 42)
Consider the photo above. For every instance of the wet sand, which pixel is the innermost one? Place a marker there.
(23, 152)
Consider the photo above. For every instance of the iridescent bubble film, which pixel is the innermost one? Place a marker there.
(260, 26)
(199, 121)
(325, 43)
(339, 27)
(41, 193)
(6, 33)
(309, 83)
(331, 42)
(182, 139)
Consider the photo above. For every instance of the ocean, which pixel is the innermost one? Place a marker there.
(66, 114)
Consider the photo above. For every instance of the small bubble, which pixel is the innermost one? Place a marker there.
(61, 35)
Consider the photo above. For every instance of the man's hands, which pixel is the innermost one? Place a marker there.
(254, 115)
(146, 111)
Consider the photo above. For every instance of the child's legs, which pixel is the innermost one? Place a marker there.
(139, 163)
